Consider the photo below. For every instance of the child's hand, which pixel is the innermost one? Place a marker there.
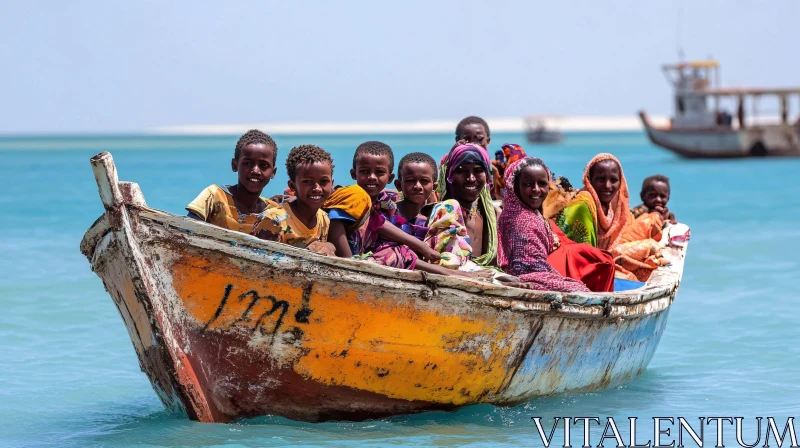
(521, 285)
(556, 243)
(671, 218)
(483, 275)
(431, 255)
(665, 214)
(322, 248)
(505, 278)
(281, 198)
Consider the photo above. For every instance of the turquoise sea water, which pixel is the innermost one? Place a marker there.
(69, 375)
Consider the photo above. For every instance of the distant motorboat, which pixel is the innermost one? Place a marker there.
(698, 130)
(537, 130)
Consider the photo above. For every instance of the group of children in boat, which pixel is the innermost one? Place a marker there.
(442, 218)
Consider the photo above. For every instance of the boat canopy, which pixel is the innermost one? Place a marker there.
(693, 76)
(743, 91)
(692, 64)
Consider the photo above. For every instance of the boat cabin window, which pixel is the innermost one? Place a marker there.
(690, 103)
(698, 103)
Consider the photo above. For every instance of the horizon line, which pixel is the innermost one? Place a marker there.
(497, 125)
(563, 123)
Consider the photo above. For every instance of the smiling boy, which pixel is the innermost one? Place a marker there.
(373, 163)
(416, 178)
(300, 221)
(240, 207)
(474, 130)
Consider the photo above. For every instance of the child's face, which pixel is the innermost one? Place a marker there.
(655, 194)
(475, 133)
(372, 173)
(416, 182)
(533, 186)
(606, 180)
(313, 183)
(468, 180)
(255, 166)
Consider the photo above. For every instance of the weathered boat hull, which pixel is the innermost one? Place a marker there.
(726, 143)
(227, 326)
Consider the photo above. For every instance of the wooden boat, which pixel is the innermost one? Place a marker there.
(227, 326)
(700, 131)
(540, 130)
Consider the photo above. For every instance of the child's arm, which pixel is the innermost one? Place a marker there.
(202, 206)
(394, 233)
(338, 237)
(483, 274)
(322, 248)
(667, 215)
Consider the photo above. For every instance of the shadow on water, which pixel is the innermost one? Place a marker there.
(110, 425)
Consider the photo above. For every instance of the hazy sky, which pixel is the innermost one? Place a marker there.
(79, 66)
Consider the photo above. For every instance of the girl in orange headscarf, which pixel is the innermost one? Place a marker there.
(600, 215)
(596, 214)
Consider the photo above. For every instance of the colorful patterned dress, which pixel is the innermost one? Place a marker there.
(379, 249)
(447, 234)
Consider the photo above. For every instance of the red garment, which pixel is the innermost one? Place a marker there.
(593, 266)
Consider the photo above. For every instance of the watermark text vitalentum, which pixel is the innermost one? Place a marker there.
(672, 432)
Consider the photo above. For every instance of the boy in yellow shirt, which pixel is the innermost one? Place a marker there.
(300, 221)
(240, 207)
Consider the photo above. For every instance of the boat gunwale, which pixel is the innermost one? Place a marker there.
(239, 244)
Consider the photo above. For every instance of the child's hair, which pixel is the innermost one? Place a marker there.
(417, 157)
(255, 137)
(377, 149)
(526, 162)
(564, 183)
(303, 154)
(468, 121)
(654, 178)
